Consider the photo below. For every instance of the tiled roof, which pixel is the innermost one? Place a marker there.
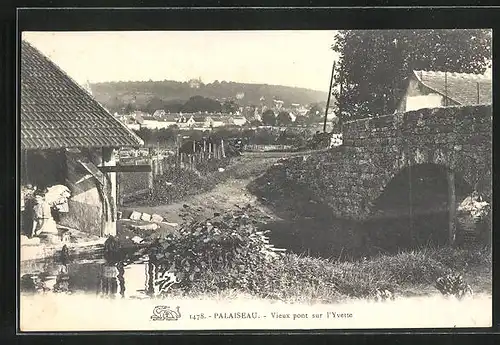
(460, 87)
(58, 113)
(199, 118)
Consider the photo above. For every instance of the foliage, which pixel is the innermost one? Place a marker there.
(230, 107)
(199, 103)
(158, 136)
(269, 118)
(295, 138)
(229, 243)
(176, 183)
(255, 123)
(284, 118)
(374, 64)
(320, 140)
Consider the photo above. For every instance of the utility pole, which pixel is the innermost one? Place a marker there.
(329, 96)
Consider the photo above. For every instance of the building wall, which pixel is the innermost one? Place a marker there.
(432, 100)
(153, 124)
(86, 204)
(418, 96)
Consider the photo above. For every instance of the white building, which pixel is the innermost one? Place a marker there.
(428, 89)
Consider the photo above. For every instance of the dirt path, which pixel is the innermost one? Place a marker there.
(227, 196)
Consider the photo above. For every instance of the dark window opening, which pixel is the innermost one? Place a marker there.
(43, 168)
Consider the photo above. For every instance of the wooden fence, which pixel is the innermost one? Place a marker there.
(139, 185)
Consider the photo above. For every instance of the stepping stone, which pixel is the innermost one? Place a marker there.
(146, 217)
(135, 215)
(156, 218)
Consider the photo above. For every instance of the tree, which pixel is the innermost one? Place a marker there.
(374, 65)
(154, 104)
(301, 121)
(284, 118)
(199, 103)
(255, 123)
(269, 118)
(129, 107)
(145, 134)
(173, 106)
(230, 107)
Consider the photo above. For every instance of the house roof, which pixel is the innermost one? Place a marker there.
(217, 118)
(56, 112)
(460, 87)
(169, 117)
(199, 118)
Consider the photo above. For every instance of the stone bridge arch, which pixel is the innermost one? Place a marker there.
(414, 207)
(470, 169)
(459, 138)
(351, 177)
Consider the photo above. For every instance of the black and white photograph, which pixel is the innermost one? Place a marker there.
(255, 179)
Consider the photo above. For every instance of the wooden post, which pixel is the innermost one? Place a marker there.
(150, 176)
(222, 148)
(210, 150)
(119, 196)
(109, 223)
(452, 207)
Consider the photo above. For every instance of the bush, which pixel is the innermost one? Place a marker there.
(225, 252)
(177, 183)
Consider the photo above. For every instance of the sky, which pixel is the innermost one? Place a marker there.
(291, 58)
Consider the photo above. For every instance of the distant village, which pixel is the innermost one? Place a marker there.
(299, 116)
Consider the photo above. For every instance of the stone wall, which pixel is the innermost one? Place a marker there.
(350, 177)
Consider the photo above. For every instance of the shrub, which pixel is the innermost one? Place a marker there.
(224, 252)
(176, 183)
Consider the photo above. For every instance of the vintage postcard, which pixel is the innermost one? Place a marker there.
(255, 180)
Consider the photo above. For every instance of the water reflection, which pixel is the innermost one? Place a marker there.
(103, 276)
(111, 279)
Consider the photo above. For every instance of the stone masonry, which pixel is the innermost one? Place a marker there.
(349, 178)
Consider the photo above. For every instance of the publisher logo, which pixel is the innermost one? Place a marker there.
(165, 313)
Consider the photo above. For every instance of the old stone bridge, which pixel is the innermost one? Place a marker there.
(383, 155)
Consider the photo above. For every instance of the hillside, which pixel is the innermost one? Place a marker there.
(116, 95)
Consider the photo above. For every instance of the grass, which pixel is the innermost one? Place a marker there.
(303, 279)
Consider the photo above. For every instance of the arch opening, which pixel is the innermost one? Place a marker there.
(413, 210)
